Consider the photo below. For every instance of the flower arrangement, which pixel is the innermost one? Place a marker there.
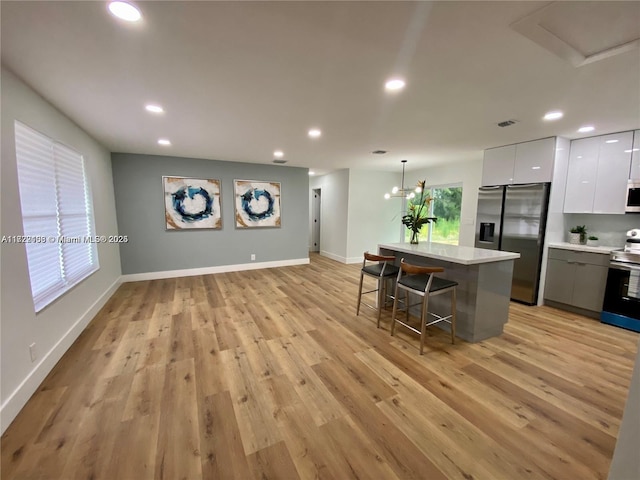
(418, 212)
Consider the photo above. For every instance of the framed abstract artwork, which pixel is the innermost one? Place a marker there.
(191, 203)
(257, 203)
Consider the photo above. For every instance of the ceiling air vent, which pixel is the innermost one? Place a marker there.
(507, 123)
(279, 162)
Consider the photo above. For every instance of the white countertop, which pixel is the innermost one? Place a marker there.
(451, 253)
(606, 250)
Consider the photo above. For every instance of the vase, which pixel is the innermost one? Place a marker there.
(414, 237)
(574, 238)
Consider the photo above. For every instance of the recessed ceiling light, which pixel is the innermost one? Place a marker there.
(164, 141)
(311, 172)
(314, 133)
(154, 108)
(555, 115)
(125, 11)
(612, 141)
(586, 128)
(278, 154)
(632, 150)
(394, 84)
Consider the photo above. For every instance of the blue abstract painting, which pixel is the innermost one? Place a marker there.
(191, 203)
(257, 204)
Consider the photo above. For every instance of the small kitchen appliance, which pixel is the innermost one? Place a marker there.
(633, 197)
(621, 306)
(633, 241)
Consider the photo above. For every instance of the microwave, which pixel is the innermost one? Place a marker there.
(633, 197)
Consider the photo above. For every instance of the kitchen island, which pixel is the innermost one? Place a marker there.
(484, 283)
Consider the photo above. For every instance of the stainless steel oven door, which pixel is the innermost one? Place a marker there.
(621, 304)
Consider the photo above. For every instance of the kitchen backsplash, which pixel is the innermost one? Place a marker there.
(610, 229)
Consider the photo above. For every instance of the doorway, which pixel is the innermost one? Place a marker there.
(315, 219)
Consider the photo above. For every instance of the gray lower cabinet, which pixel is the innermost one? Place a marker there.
(576, 279)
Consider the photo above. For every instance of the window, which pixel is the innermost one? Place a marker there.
(446, 205)
(57, 215)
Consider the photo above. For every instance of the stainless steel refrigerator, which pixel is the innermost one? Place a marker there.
(513, 218)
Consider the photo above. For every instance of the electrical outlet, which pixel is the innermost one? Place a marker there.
(253, 257)
(32, 352)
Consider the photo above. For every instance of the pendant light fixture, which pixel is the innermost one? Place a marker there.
(402, 192)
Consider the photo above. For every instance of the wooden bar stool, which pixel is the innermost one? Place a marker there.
(382, 270)
(419, 280)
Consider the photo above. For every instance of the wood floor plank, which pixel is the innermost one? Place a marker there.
(272, 463)
(90, 456)
(222, 452)
(366, 461)
(210, 374)
(145, 396)
(139, 462)
(160, 321)
(310, 351)
(308, 387)
(573, 399)
(449, 433)
(178, 452)
(225, 328)
(557, 426)
(256, 424)
(17, 440)
(404, 458)
(269, 374)
(181, 343)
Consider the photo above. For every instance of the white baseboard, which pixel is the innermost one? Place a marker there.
(137, 277)
(332, 256)
(340, 259)
(18, 399)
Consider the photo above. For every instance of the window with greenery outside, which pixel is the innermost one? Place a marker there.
(445, 205)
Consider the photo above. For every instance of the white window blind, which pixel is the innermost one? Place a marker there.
(57, 215)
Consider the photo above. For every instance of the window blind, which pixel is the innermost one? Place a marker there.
(57, 215)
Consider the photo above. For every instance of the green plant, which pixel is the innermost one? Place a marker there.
(582, 230)
(591, 237)
(418, 212)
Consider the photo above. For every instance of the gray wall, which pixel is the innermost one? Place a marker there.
(54, 328)
(140, 211)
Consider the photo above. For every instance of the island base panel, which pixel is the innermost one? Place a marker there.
(483, 295)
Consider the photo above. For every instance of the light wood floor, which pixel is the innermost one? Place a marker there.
(268, 374)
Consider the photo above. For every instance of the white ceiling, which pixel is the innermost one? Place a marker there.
(239, 80)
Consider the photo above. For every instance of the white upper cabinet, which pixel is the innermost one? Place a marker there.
(497, 168)
(598, 173)
(581, 176)
(614, 162)
(529, 162)
(534, 161)
(634, 173)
